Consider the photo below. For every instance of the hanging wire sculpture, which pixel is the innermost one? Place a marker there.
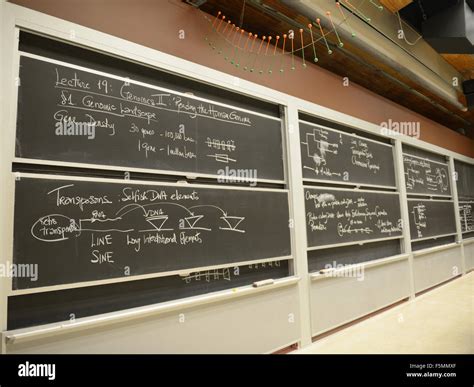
(268, 54)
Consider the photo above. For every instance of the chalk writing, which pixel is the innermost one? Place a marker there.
(138, 125)
(338, 216)
(425, 176)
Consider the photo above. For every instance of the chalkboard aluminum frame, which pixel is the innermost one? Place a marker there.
(348, 183)
(182, 272)
(434, 162)
(189, 175)
(309, 248)
(435, 236)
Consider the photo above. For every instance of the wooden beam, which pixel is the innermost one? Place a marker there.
(463, 63)
(395, 5)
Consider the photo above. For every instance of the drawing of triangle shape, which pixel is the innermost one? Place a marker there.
(158, 221)
(192, 220)
(233, 221)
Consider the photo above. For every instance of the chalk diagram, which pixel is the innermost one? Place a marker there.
(222, 158)
(419, 218)
(318, 148)
(146, 218)
(225, 274)
(209, 275)
(221, 145)
(467, 220)
(436, 180)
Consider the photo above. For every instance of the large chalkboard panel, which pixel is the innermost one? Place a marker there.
(466, 216)
(77, 230)
(424, 176)
(339, 216)
(139, 126)
(431, 218)
(48, 307)
(465, 179)
(332, 155)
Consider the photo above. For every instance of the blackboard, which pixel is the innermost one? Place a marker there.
(465, 179)
(423, 153)
(76, 115)
(84, 230)
(333, 257)
(332, 155)
(336, 216)
(466, 216)
(431, 218)
(128, 68)
(424, 176)
(53, 306)
(422, 244)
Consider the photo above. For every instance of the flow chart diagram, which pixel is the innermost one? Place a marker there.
(421, 173)
(147, 218)
(318, 148)
(419, 218)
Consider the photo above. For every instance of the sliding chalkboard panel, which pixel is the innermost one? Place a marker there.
(466, 216)
(332, 155)
(331, 257)
(423, 153)
(465, 179)
(424, 176)
(431, 218)
(83, 230)
(48, 307)
(336, 216)
(72, 114)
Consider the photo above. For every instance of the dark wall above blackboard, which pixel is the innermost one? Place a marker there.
(82, 230)
(336, 216)
(334, 156)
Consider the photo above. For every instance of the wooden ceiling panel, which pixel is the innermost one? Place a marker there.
(395, 5)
